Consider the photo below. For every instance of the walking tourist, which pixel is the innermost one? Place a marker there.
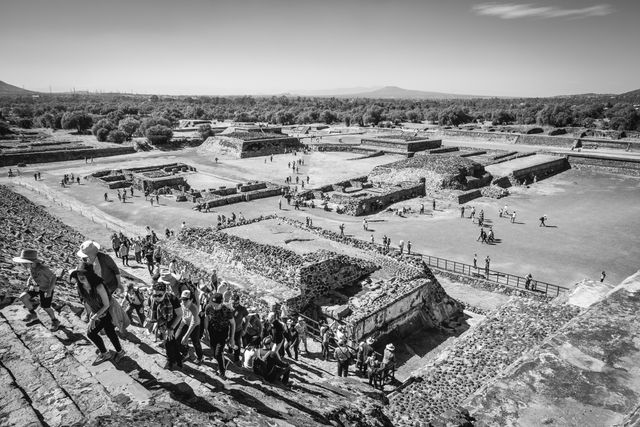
(408, 247)
(301, 327)
(96, 300)
(475, 260)
(365, 349)
(268, 365)
(293, 339)
(513, 217)
(342, 230)
(136, 303)
(123, 252)
(602, 276)
(326, 335)
(373, 370)
(343, 358)
(240, 314)
(543, 220)
(221, 328)
(40, 284)
(103, 265)
(189, 327)
(166, 312)
(487, 262)
(388, 362)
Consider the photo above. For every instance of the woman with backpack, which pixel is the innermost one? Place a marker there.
(168, 315)
(293, 339)
(343, 358)
(123, 252)
(93, 294)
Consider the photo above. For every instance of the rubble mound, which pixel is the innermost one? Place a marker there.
(438, 171)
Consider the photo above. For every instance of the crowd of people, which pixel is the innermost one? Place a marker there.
(183, 314)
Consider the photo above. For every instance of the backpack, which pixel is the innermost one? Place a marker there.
(342, 355)
(260, 364)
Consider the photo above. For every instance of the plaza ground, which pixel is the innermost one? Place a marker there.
(594, 217)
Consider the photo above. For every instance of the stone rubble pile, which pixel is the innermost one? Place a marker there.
(25, 225)
(475, 358)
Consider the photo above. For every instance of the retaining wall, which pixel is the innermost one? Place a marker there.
(62, 155)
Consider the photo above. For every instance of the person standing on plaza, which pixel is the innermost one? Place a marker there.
(475, 261)
(342, 230)
(513, 217)
(401, 246)
(40, 284)
(602, 276)
(408, 247)
(487, 262)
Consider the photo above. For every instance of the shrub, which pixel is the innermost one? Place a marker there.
(76, 120)
(117, 136)
(102, 134)
(159, 134)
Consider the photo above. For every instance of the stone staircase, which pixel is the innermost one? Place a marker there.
(49, 379)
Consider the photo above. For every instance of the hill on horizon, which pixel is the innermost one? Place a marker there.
(7, 89)
(390, 92)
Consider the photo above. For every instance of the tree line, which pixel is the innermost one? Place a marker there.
(116, 117)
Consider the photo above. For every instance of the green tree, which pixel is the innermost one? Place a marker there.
(116, 136)
(159, 134)
(102, 124)
(102, 134)
(78, 120)
(129, 126)
(204, 130)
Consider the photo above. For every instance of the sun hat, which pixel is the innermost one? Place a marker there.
(27, 256)
(186, 294)
(217, 298)
(370, 341)
(390, 347)
(88, 248)
(266, 341)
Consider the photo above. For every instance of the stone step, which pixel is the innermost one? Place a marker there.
(48, 399)
(144, 363)
(69, 355)
(16, 407)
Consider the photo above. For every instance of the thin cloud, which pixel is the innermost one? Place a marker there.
(515, 11)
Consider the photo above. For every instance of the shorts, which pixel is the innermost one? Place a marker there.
(44, 301)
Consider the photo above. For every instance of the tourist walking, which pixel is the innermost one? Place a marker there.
(40, 286)
(136, 303)
(342, 230)
(487, 262)
(326, 335)
(293, 339)
(513, 217)
(96, 300)
(475, 260)
(189, 326)
(602, 276)
(123, 252)
(103, 265)
(388, 366)
(301, 327)
(401, 246)
(343, 358)
(166, 313)
(365, 349)
(221, 328)
(408, 247)
(240, 314)
(543, 220)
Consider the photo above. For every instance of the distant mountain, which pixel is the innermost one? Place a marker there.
(387, 92)
(631, 94)
(7, 89)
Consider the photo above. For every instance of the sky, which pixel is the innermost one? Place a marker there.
(223, 47)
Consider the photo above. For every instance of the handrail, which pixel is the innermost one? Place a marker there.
(501, 278)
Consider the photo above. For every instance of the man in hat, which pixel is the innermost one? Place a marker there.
(364, 350)
(388, 362)
(40, 284)
(343, 358)
(103, 265)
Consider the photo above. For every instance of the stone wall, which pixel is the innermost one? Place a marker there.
(541, 170)
(370, 201)
(62, 155)
(250, 144)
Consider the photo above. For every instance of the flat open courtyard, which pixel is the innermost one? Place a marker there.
(593, 217)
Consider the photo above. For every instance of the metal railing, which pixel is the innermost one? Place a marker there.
(494, 276)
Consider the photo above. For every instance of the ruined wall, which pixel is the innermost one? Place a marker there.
(268, 146)
(371, 202)
(542, 170)
(62, 155)
(331, 272)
